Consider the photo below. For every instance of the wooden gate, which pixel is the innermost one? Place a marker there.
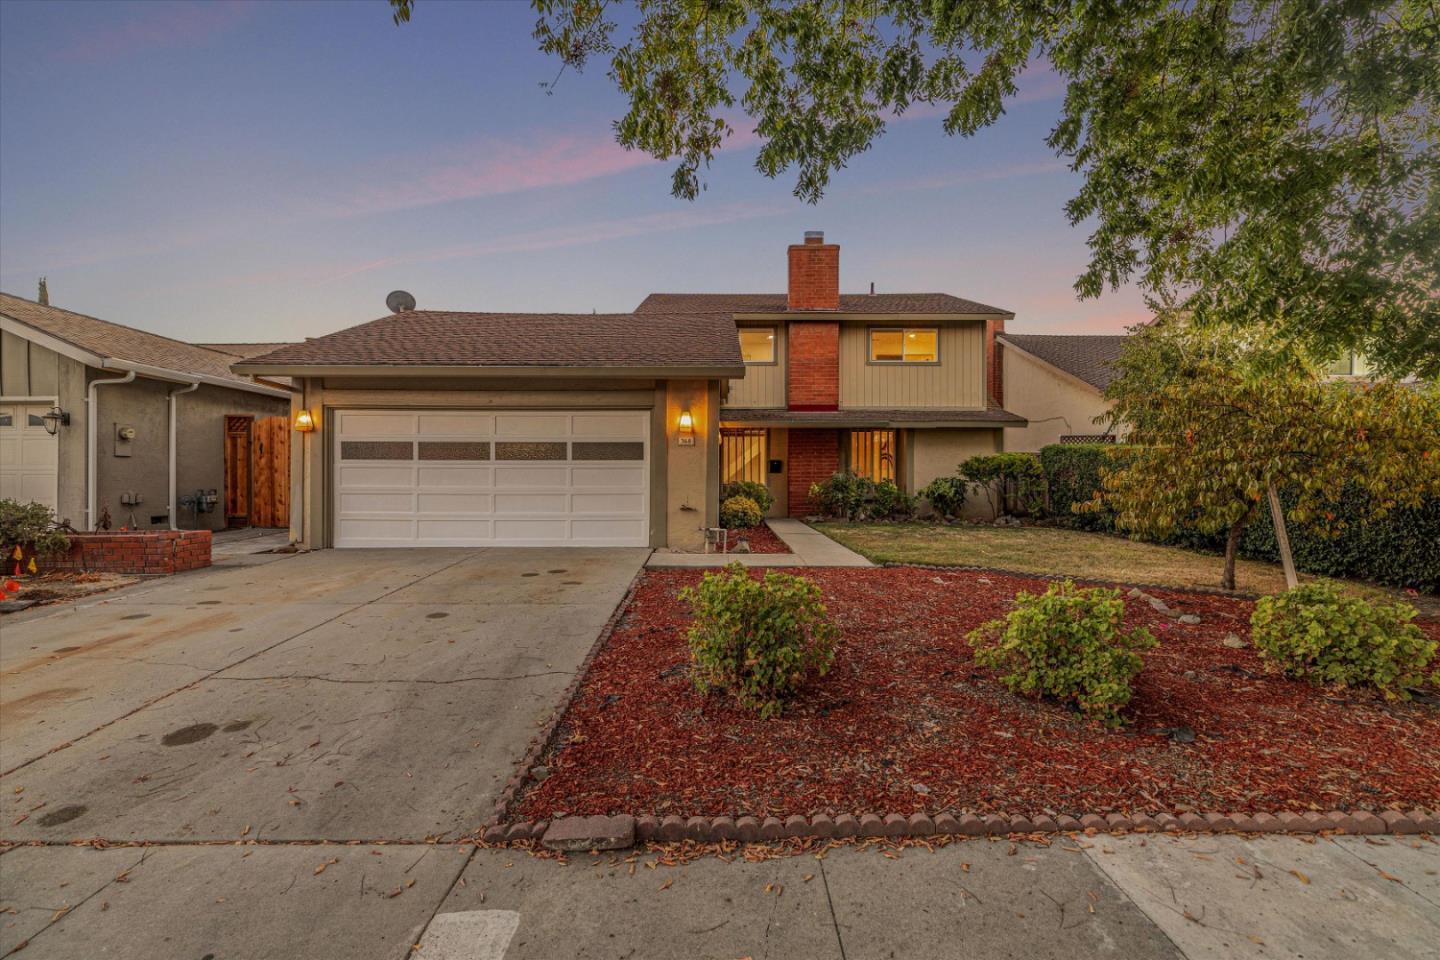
(257, 471)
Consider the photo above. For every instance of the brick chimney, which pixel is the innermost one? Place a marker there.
(814, 274)
(995, 360)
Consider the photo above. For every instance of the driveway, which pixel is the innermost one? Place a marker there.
(341, 695)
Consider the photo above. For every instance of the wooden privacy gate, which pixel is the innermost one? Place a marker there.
(257, 471)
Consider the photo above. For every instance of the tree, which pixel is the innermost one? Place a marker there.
(1271, 163)
(1222, 420)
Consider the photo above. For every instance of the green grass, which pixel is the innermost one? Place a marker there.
(1053, 551)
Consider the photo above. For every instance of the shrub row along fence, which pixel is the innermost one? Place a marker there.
(1402, 549)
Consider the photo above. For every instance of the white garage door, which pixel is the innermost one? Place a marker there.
(491, 478)
(29, 457)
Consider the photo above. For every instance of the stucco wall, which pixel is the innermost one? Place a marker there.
(200, 463)
(937, 453)
(1053, 402)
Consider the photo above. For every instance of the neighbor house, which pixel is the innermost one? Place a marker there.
(101, 420)
(1056, 382)
(450, 428)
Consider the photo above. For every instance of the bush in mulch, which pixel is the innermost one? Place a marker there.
(740, 511)
(1317, 632)
(1067, 643)
(907, 721)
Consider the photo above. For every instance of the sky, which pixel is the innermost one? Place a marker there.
(257, 171)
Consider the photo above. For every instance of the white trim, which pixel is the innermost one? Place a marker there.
(52, 399)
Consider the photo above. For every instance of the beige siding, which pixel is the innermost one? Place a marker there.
(958, 380)
(763, 384)
(937, 453)
(1053, 402)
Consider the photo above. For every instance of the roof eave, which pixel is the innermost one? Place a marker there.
(681, 372)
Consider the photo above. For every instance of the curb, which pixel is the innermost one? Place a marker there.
(542, 740)
(748, 829)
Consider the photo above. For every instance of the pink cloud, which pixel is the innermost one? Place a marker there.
(160, 25)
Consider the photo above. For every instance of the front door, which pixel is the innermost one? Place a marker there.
(238, 431)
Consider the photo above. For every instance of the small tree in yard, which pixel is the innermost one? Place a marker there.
(1221, 421)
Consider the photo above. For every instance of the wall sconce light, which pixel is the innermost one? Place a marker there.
(304, 421)
(687, 429)
(54, 420)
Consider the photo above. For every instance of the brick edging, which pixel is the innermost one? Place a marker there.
(542, 740)
(747, 829)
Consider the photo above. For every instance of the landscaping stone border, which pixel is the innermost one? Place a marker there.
(542, 740)
(571, 833)
(1058, 577)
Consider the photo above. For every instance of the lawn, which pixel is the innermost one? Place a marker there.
(1049, 551)
(906, 721)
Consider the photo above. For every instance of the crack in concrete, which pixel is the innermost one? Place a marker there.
(834, 921)
(98, 890)
(311, 676)
(1376, 868)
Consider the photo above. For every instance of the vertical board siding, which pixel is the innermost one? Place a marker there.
(958, 380)
(764, 384)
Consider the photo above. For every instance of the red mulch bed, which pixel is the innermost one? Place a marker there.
(905, 706)
(762, 539)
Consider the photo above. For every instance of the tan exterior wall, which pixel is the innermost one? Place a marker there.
(684, 479)
(1054, 403)
(937, 453)
(764, 383)
(958, 380)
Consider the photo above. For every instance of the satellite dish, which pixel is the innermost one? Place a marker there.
(399, 301)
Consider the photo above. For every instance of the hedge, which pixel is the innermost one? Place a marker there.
(1402, 549)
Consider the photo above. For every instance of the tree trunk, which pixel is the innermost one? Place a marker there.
(1232, 547)
(1282, 538)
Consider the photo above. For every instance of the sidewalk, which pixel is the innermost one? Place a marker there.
(810, 549)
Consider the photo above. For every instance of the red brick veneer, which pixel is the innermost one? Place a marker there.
(813, 377)
(814, 456)
(814, 275)
(148, 551)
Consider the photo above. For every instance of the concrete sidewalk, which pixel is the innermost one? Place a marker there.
(809, 549)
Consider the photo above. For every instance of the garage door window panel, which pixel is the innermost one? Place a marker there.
(377, 450)
(612, 450)
(540, 450)
(454, 450)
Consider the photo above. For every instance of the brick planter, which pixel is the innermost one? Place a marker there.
(146, 552)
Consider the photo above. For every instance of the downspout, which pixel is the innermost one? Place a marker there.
(92, 445)
(174, 507)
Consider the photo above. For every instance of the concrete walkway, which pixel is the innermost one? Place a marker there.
(809, 547)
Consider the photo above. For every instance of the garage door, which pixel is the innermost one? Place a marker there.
(29, 456)
(493, 478)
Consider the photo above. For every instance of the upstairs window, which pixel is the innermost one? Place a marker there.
(907, 345)
(757, 344)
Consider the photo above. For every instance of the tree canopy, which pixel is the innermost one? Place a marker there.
(1268, 162)
(1218, 418)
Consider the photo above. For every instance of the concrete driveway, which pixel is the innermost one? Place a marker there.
(343, 695)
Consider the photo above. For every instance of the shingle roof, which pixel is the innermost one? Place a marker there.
(1087, 356)
(447, 338)
(873, 418)
(871, 303)
(246, 349)
(114, 341)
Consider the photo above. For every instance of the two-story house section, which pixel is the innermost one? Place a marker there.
(893, 386)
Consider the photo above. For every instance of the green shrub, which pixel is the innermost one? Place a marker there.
(1011, 482)
(1319, 633)
(1067, 643)
(30, 526)
(738, 511)
(758, 639)
(891, 503)
(1072, 476)
(749, 488)
(946, 495)
(843, 495)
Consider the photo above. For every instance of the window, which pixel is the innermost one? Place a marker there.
(1349, 365)
(908, 345)
(872, 454)
(757, 344)
(742, 455)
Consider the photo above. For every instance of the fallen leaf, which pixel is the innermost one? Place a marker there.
(321, 869)
(1301, 877)
(667, 883)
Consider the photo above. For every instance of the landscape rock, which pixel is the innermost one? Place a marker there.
(1233, 641)
(1189, 618)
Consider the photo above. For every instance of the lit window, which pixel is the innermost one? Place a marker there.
(872, 454)
(742, 455)
(905, 346)
(757, 344)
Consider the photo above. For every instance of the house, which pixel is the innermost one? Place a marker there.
(1056, 382)
(447, 428)
(99, 419)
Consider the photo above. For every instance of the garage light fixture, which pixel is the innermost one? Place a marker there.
(687, 429)
(304, 421)
(54, 420)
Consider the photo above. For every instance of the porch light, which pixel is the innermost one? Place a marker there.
(687, 429)
(54, 420)
(304, 421)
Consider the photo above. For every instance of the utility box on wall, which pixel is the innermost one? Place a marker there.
(124, 439)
